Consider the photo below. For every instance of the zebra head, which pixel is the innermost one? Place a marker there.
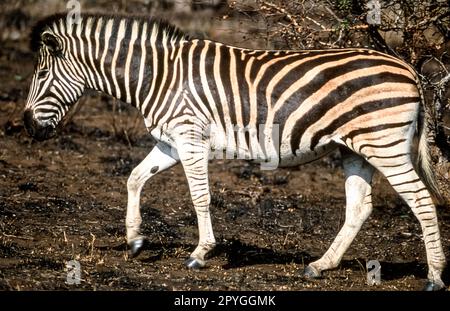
(55, 87)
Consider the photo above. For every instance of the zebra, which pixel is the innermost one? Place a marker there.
(367, 104)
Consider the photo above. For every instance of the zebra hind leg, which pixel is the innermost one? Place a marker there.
(358, 193)
(160, 158)
(403, 177)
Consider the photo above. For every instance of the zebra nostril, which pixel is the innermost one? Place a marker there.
(35, 129)
(29, 122)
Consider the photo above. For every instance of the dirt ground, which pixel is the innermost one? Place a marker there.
(65, 199)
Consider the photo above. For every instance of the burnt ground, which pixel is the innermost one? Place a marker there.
(65, 199)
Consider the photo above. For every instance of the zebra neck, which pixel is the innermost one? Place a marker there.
(125, 75)
(133, 70)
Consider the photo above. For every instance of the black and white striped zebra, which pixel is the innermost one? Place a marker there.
(291, 107)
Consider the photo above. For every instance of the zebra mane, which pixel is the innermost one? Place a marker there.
(52, 21)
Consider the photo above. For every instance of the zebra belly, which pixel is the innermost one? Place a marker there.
(233, 145)
(288, 159)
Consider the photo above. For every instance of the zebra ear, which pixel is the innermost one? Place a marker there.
(52, 43)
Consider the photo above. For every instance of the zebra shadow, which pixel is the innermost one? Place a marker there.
(398, 270)
(239, 254)
(151, 251)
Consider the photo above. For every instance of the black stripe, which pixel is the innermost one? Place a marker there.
(326, 74)
(412, 169)
(181, 111)
(213, 87)
(375, 128)
(195, 63)
(365, 108)
(121, 60)
(423, 213)
(166, 105)
(267, 77)
(148, 72)
(393, 175)
(270, 73)
(430, 226)
(55, 110)
(106, 79)
(243, 86)
(96, 64)
(421, 198)
(84, 58)
(336, 96)
(412, 191)
(192, 176)
(381, 146)
(110, 54)
(387, 157)
(225, 78)
(433, 241)
(423, 205)
(158, 76)
(277, 66)
(135, 64)
(406, 182)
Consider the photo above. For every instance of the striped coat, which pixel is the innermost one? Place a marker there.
(203, 99)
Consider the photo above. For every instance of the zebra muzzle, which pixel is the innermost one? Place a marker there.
(36, 130)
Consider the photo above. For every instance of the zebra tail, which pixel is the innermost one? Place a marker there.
(424, 163)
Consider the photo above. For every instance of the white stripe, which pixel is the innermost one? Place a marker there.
(205, 85)
(142, 64)
(108, 32)
(98, 29)
(134, 34)
(179, 89)
(164, 76)
(331, 85)
(191, 78)
(97, 83)
(155, 69)
(119, 37)
(242, 147)
(228, 126)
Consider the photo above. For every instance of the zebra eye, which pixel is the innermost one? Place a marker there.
(42, 74)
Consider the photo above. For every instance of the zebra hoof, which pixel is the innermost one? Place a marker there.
(434, 286)
(136, 247)
(194, 263)
(311, 273)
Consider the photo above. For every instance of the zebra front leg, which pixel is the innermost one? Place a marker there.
(358, 193)
(194, 158)
(160, 158)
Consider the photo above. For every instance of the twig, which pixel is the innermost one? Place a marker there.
(92, 245)
(316, 22)
(291, 19)
(18, 237)
(283, 226)
(379, 40)
(363, 269)
(286, 237)
(443, 81)
(334, 15)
